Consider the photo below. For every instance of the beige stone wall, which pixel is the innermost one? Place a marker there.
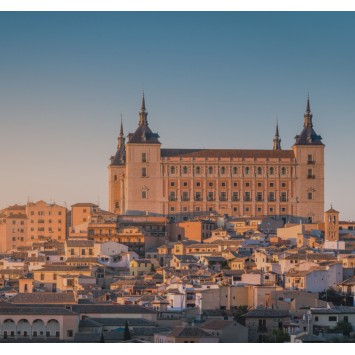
(310, 180)
(46, 221)
(212, 184)
(143, 185)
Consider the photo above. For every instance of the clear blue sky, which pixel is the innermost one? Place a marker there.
(211, 79)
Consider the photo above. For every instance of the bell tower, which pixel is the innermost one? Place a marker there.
(331, 225)
(309, 153)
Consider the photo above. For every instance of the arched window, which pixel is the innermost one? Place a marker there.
(210, 170)
(223, 170)
(247, 170)
(172, 170)
(272, 171)
(184, 170)
(283, 170)
(235, 170)
(198, 170)
(259, 170)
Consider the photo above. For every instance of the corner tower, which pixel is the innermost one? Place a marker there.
(116, 176)
(309, 153)
(143, 189)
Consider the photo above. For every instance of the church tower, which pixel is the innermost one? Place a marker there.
(309, 153)
(116, 176)
(277, 139)
(331, 225)
(144, 186)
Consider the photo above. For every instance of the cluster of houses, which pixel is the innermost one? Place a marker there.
(211, 279)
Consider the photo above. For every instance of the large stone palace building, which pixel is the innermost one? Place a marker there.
(147, 179)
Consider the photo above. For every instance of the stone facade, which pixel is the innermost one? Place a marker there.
(146, 179)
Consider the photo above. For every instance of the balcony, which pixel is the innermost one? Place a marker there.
(271, 199)
(198, 198)
(223, 198)
(247, 198)
(259, 199)
(210, 198)
(185, 198)
(172, 198)
(311, 162)
(235, 198)
(311, 176)
(283, 199)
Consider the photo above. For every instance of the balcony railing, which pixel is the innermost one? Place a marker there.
(210, 198)
(283, 199)
(198, 198)
(271, 199)
(311, 162)
(223, 198)
(247, 198)
(311, 176)
(259, 199)
(172, 198)
(185, 198)
(235, 198)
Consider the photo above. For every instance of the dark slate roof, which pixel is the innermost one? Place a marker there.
(308, 137)
(149, 331)
(143, 134)
(311, 338)
(89, 323)
(43, 297)
(120, 157)
(190, 332)
(120, 322)
(111, 309)
(87, 338)
(80, 243)
(84, 204)
(25, 310)
(267, 313)
(228, 153)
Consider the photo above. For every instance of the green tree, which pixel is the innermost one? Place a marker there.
(278, 336)
(238, 313)
(126, 333)
(343, 327)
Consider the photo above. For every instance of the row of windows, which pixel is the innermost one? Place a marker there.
(223, 196)
(224, 184)
(234, 170)
(235, 209)
(43, 221)
(42, 213)
(41, 229)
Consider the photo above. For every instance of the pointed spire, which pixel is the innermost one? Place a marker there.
(277, 139)
(121, 139)
(308, 108)
(121, 130)
(143, 103)
(308, 116)
(277, 128)
(143, 114)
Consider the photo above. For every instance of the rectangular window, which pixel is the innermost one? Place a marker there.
(332, 318)
(310, 196)
(144, 157)
(144, 172)
(144, 194)
(198, 184)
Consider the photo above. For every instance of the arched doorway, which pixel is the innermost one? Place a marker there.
(9, 329)
(53, 328)
(23, 328)
(38, 328)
